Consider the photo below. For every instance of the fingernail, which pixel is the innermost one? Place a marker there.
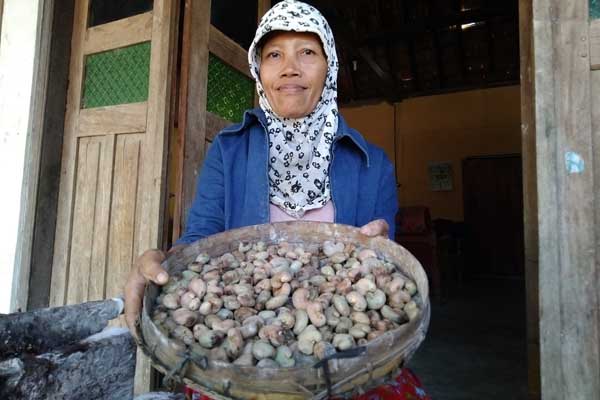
(162, 277)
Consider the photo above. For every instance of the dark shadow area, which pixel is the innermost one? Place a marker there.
(476, 347)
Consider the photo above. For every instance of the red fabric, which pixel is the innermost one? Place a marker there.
(406, 387)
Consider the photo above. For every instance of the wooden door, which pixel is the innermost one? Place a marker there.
(493, 207)
(113, 164)
(216, 87)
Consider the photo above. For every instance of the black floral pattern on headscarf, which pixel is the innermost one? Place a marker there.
(299, 149)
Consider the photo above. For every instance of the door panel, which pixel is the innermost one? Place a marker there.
(113, 148)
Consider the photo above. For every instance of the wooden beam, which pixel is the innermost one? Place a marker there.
(439, 64)
(51, 148)
(62, 251)
(121, 33)
(432, 23)
(262, 8)
(462, 88)
(490, 43)
(388, 55)
(33, 160)
(229, 51)
(461, 47)
(567, 148)
(412, 57)
(192, 106)
(153, 156)
(347, 68)
(123, 118)
(530, 208)
(346, 38)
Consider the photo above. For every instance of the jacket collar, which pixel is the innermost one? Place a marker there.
(344, 131)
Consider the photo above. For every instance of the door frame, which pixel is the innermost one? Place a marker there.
(560, 92)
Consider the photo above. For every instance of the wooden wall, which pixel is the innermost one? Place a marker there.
(565, 95)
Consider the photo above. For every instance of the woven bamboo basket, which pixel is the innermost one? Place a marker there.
(381, 359)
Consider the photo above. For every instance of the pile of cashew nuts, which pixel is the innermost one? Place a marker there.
(280, 306)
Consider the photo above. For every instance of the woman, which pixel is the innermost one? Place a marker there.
(295, 151)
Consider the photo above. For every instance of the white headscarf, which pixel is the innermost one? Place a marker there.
(299, 149)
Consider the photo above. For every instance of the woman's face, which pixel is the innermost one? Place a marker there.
(292, 71)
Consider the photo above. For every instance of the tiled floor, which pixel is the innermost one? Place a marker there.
(475, 347)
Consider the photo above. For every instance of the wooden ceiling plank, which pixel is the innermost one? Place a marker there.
(421, 25)
(437, 48)
(490, 46)
(346, 38)
(412, 57)
(461, 48)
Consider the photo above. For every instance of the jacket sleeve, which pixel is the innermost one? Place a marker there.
(207, 214)
(387, 199)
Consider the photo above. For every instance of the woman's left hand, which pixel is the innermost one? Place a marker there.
(378, 227)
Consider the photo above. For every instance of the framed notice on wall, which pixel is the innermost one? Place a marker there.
(440, 176)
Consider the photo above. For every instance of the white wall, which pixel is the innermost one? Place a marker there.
(17, 49)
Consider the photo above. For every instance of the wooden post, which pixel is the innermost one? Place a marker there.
(530, 210)
(33, 151)
(263, 7)
(192, 106)
(567, 211)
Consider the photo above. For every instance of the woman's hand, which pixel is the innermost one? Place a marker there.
(145, 268)
(378, 227)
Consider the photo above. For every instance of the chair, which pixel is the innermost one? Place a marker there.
(415, 232)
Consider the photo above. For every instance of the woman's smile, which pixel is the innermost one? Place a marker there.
(291, 89)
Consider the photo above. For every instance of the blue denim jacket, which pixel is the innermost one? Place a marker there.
(233, 186)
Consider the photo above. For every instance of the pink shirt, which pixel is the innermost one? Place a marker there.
(323, 214)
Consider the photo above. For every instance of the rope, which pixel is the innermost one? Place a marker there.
(177, 373)
(324, 363)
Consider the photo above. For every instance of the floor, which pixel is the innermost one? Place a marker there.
(475, 347)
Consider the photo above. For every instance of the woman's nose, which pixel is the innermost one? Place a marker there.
(291, 67)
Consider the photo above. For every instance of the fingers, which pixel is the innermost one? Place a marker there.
(134, 292)
(378, 227)
(149, 266)
(146, 268)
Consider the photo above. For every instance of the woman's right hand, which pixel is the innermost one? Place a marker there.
(145, 268)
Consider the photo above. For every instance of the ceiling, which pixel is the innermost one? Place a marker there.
(396, 49)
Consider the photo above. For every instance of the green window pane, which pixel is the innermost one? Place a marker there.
(230, 92)
(117, 76)
(595, 9)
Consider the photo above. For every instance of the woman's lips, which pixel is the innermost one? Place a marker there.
(291, 88)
